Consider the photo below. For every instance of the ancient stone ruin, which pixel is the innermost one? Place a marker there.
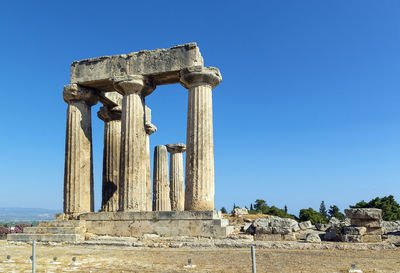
(180, 205)
(366, 225)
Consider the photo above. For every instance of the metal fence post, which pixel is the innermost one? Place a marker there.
(34, 256)
(253, 259)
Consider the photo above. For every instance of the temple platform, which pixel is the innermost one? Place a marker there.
(128, 224)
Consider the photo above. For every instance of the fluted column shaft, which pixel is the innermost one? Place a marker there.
(78, 171)
(132, 191)
(150, 129)
(176, 178)
(161, 200)
(200, 188)
(111, 157)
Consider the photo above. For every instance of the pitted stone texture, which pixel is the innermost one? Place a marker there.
(111, 158)
(273, 225)
(364, 213)
(150, 129)
(313, 238)
(200, 188)
(351, 230)
(177, 180)
(133, 190)
(75, 92)
(305, 225)
(78, 172)
(162, 64)
(161, 190)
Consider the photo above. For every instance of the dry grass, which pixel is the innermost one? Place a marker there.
(129, 259)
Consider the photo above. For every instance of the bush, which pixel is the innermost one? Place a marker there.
(311, 215)
(223, 210)
(261, 206)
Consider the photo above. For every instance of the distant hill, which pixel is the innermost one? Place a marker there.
(26, 214)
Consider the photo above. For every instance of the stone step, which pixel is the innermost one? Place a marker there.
(65, 238)
(69, 223)
(221, 222)
(54, 230)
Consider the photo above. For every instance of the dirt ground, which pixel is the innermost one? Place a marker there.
(131, 259)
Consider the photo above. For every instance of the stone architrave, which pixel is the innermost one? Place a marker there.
(78, 172)
(176, 178)
(150, 129)
(199, 191)
(132, 191)
(111, 157)
(161, 201)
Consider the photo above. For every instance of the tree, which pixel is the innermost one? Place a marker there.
(251, 207)
(223, 210)
(260, 205)
(322, 210)
(312, 215)
(285, 210)
(335, 212)
(390, 208)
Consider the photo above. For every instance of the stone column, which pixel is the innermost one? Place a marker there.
(78, 172)
(150, 129)
(199, 191)
(132, 190)
(176, 178)
(161, 201)
(111, 157)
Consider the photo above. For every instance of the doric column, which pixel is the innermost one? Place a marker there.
(150, 129)
(176, 178)
(161, 201)
(199, 191)
(78, 172)
(111, 157)
(132, 191)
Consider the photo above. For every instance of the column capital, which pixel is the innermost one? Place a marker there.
(106, 114)
(150, 128)
(133, 84)
(199, 75)
(176, 148)
(75, 92)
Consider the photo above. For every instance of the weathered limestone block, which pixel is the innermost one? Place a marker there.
(364, 213)
(390, 227)
(273, 225)
(199, 191)
(366, 223)
(161, 64)
(240, 211)
(161, 200)
(132, 195)
(150, 129)
(78, 172)
(313, 238)
(352, 238)
(352, 230)
(370, 238)
(111, 157)
(176, 178)
(267, 237)
(305, 225)
(374, 231)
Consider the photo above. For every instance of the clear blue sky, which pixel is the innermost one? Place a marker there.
(308, 109)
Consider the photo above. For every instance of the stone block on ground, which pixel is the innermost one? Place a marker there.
(352, 230)
(390, 227)
(352, 238)
(371, 238)
(240, 211)
(364, 213)
(366, 223)
(322, 227)
(331, 236)
(268, 237)
(313, 238)
(305, 225)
